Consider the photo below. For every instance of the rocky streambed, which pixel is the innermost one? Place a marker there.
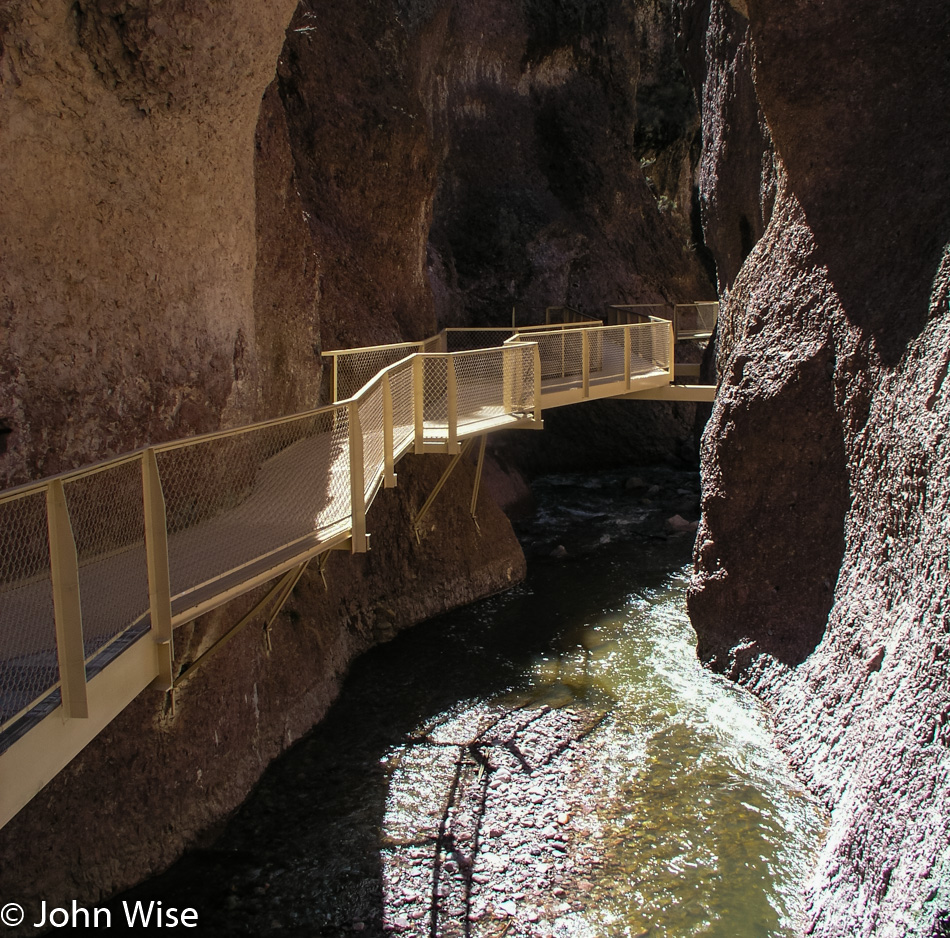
(549, 762)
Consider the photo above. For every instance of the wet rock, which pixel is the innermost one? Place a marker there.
(679, 525)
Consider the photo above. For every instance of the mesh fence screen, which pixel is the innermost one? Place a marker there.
(232, 500)
(355, 369)
(435, 391)
(105, 510)
(404, 426)
(481, 386)
(371, 425)
(465, 340)
(695, 319)
(28, 663)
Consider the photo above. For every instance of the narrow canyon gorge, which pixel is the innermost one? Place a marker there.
(199, 200)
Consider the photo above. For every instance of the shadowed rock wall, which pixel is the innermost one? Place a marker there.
(821, 563)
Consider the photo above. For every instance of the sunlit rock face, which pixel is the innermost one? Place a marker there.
(128, 222)
(821, 561)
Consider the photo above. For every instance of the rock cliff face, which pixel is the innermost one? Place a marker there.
(195, 204)
(128, 235)
(822, 562)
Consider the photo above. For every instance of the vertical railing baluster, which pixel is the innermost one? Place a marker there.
(537, 384)
(389, 446)
(159, 577)
(357, 488)
(418, 402)
(670, 346)
(585, 363)
(626, 357)
(452, 404)
(67, 609)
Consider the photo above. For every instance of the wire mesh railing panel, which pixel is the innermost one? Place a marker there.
(521, 369)
(622, 315)
(552, 347)
(107, 517)
(435, 343)
(371, 426)
(611, 343)
(595, 352)
(708, 314)
(357, 368)
(649, 348)
(642, 353)
(435, 391)
(28, 662)
(695, 320)
(235, 499)
(404, 423)
(481, 386)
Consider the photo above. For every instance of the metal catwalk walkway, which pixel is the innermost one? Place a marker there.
(98, 566)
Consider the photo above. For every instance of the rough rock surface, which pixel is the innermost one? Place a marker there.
(127, 227)
(822, 563)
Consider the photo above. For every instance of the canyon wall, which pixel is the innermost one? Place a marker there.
(196, 203)
(821, 560)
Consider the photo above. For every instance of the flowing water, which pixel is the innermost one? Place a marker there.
(653, 801)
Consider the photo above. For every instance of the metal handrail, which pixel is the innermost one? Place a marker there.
(66, 555)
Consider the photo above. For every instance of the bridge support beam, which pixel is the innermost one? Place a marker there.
(424, 510)
(698, 393)
(478, 479)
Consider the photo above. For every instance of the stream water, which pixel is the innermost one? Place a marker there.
(552, 761)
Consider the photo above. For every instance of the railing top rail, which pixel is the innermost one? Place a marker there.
(654, 320)
(70, 475)
(466, 353)
(40, 485)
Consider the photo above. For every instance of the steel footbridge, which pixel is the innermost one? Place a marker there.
(100, 565)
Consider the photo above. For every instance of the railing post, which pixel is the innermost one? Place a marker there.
(67, 611)
(537, 383)
(626, 357)
(159, 578)
(336, 378)
(585, 363)
(418, 402)
(508, 377)
(357, 488)
(452, 402)
(670, 354)
(389, 446)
